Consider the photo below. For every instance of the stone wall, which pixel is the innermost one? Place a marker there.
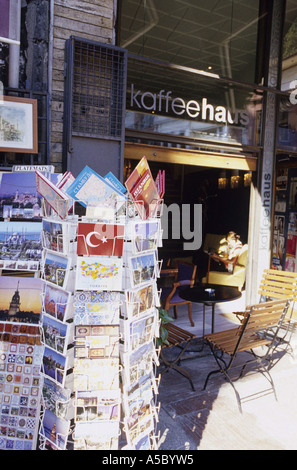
(89, 19)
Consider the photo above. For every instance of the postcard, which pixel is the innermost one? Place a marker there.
(143, 443)
(139, 300)
(145, 196)
(55, 429)
(137, 364)
(18, 196)
(96, 341)
(55, 398)
(100, 239)
(139, 426)
(96, 308)
(90, 189)
(56, 334)
(142, 268)
(56, 302)
(143, 190)
(98, 405)
(98, 273)
(54, 365)
(140, 331)
(96, 374)
(56, 268)
(140, 395)
(20, 299)
(112, 179)
(21, 242)
(160, 183)
(96, 435)
(55, 235)
(59, 201)
(146, 235)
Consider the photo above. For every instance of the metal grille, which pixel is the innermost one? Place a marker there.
(97, 90)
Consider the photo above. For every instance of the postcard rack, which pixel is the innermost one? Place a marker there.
(92, 365)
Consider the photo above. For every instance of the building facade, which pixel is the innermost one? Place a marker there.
(205, 91)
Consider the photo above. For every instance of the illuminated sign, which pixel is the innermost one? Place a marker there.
(163, 103)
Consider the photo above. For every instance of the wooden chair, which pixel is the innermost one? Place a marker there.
(275, 285)
(183, 275)
(181, 339)
(250, 334)
(236, 278)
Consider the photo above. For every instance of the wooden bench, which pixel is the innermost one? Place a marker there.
(179, 338)
(249, 335)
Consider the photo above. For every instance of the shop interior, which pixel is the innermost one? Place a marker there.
(224, 195)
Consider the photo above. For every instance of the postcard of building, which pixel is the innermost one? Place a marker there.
(97, 405)
(20, 299)
(56, 302)
(56, 398)
(138, 300)
(100, 239)
(146, 235)
(19, 198)
(96, 308)
(55, 235)
(20, 242)
(54, 365)
(138, 426)
(56, 268)
(56, 334)
(98, 273)
(142, 268)
(137, 364)
(55, 429)
(139, 331)
(134, 398)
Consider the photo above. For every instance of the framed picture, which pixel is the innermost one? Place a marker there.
(18, 125)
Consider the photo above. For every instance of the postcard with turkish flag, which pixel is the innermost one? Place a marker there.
(100, 239)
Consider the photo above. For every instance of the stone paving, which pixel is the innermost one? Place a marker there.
(211, 419)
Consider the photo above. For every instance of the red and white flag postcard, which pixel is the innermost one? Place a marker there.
(100, 239)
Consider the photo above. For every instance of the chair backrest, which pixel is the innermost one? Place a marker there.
(278, 285)
(263, 316)
(186, 272)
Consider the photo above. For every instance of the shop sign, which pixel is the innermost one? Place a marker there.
(46, 168)
(164, 102)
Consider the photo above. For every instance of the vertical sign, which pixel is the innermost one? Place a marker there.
(269, 139)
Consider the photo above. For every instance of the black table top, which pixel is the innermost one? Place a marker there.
(199, 294)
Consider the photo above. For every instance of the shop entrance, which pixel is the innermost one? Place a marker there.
(224, 195)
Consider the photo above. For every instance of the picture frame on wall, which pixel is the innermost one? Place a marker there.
(18, 125)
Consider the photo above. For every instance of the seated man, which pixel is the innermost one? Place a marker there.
(227, 254)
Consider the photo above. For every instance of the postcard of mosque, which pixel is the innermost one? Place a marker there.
(19, 198)
(56, 302)
(20, 299)
(21, 242)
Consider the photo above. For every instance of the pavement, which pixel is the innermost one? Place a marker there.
(211, 419)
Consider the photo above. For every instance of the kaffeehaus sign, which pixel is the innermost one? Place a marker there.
(165, 103)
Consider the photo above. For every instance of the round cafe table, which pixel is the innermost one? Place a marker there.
(210, 295)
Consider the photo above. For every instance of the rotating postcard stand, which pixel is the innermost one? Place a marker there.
(104, 372)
